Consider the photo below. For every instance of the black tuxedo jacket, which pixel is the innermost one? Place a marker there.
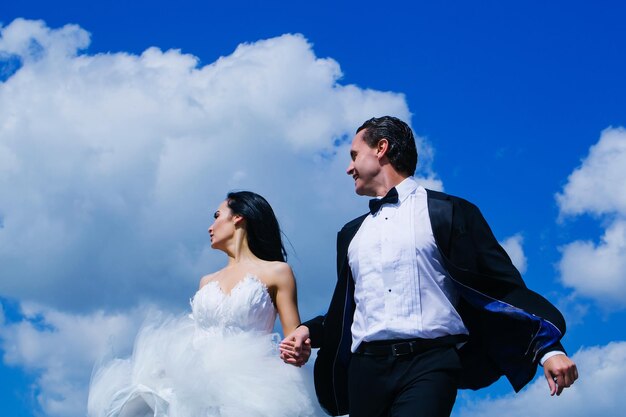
(510, 326)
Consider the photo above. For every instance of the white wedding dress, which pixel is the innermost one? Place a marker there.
(221, 361)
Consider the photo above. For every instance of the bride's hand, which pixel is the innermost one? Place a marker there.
(295, 348)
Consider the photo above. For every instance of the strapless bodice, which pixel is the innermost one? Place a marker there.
(248, 307)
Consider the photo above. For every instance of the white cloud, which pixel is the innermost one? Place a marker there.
(513, 247)
(33, 40)
(598, 271)
(598, 187)
(110, 164)
(598, 391)
(61, 349)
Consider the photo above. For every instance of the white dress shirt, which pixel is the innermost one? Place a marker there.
(402, 290)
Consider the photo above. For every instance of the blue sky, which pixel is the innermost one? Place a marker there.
(120, 133)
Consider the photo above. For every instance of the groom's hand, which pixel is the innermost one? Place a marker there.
(560, 372)
(295, 349)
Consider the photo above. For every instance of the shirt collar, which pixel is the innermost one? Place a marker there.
(406, 188)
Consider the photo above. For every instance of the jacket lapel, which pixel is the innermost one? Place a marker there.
(440, 213)
(344, 238)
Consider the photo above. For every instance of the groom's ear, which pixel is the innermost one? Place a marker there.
(382, 147)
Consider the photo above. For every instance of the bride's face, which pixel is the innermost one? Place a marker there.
(223, 227)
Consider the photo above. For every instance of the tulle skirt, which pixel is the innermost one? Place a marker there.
(178, 370)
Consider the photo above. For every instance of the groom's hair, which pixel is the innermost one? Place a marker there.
(402, 153)
(263, 231)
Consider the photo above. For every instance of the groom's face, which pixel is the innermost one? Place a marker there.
(364, 166)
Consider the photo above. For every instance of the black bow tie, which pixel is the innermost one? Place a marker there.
(390, 198)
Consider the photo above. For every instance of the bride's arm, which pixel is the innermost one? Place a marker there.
(286, 298)
(294, 352)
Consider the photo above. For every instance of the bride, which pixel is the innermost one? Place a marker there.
(222, 360)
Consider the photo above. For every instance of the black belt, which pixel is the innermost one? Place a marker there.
(407, 347)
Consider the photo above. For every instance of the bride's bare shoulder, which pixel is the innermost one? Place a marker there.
(277, 273)
(208, 278)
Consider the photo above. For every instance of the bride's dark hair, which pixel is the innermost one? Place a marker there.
(264, 237)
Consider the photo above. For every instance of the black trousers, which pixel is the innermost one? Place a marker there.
(413, 385)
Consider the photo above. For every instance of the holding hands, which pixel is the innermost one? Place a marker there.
(295, 348)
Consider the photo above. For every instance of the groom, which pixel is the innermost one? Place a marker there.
(426, 299)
